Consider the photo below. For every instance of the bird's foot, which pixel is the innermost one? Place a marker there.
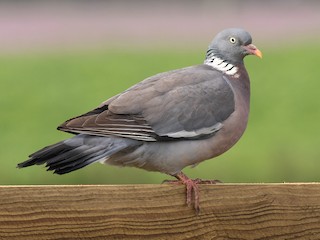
(192, 188)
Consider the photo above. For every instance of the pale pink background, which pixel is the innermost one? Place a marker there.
(61, 25)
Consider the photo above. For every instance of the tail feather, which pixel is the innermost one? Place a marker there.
(67, 156)
(77, 160)
(75, 153)
(62, 169)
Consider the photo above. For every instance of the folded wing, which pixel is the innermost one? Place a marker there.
(190, 103)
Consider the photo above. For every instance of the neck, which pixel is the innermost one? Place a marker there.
(220, 64)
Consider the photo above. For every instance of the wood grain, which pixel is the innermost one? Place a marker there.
(228, 211)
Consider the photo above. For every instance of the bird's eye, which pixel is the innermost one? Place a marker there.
(232, 40)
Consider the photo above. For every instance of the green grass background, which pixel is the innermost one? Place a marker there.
(40, 91)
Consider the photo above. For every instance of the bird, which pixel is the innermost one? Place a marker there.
(166, 122)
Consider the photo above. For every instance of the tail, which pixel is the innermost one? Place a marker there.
(75, 153)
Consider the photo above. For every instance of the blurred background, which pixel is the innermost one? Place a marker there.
(59, 59)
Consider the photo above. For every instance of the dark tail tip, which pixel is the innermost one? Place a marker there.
(70, 155)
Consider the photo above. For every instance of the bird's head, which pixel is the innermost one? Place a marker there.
(233, 44)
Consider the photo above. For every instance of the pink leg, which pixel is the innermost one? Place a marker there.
(191, 188)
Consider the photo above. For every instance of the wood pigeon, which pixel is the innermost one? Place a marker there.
(165, 122)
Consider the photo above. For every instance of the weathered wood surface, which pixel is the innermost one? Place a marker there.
(228, 211)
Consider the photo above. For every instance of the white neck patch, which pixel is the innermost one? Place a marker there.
(221, 65)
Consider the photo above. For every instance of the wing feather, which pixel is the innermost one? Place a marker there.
(189, 103)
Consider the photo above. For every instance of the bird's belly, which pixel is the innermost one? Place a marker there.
(172, 156)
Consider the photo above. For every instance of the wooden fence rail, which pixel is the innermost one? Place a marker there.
(228, 211)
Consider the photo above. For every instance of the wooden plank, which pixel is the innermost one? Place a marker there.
(228, 211)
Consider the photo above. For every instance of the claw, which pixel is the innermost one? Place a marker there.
(192, 189)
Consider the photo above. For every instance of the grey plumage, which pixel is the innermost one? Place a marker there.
(166, 122)
(76, 152)
(162, 107)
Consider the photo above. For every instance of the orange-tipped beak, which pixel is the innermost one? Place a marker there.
(252, 49)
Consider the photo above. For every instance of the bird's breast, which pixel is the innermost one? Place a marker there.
(235, 125)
